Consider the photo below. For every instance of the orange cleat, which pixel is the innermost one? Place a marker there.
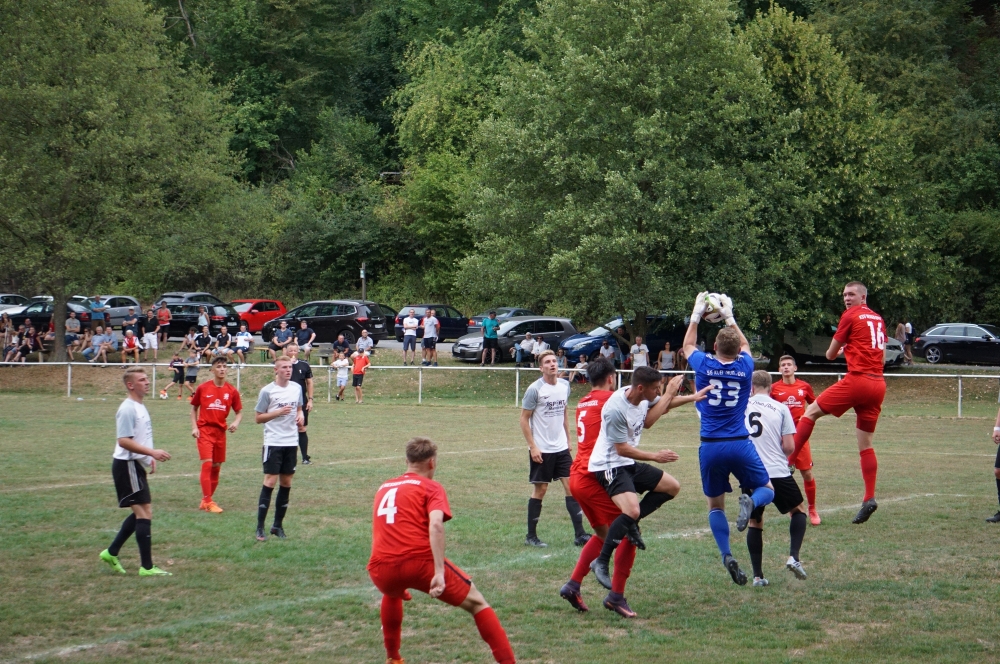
(210, 506)
(389, 660)
(814, 516)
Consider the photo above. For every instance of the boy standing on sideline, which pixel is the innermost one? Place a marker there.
(177, 365)
(210, 407)
(361, 363)
(134, 453)
(431, 326)
(343, 368)
(279, 409)
(191, 371)
(163, 317)
(410, 324)
(303, 375)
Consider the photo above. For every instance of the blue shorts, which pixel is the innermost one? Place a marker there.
(719, 460)
(409, 342)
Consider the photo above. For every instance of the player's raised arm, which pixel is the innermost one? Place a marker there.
(726, 309)
(691, 336)
(436, 533)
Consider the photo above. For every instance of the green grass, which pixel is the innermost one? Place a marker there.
(917, 583)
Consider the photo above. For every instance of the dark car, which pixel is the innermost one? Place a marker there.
(40, 314)
(184, 298)
(503, 313)
(659, 330)
(185, 316)
(329, 318)
(960, 343)
(511, 332)
(453, 323)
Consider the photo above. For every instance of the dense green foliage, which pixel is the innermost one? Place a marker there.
(579, 157)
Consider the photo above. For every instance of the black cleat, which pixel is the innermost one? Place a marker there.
(733, 567)
(307, 462)
(581, 539)
(994, 519)
(601, 573)
(572, 595)
(531, 540)
(278, 532)
(261, 537)
(619, 606)
(746, 509)
(867, 509)
(634, 535)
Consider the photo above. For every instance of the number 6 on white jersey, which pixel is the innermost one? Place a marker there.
(387, 507)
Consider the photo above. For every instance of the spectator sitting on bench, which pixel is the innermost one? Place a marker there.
(29, 344)
(244, 343)
(72, 334)
(98, 347)
(130, 346)
(14, 341)
(203, 344)
(580, 370)
(282, 337)
(187, 343)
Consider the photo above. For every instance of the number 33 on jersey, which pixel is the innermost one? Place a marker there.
(722, 413)
(401, 517)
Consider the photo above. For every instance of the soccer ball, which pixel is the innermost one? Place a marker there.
(712, 308)
(162, 395)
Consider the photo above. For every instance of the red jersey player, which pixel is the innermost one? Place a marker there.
(861, 338)
(797, 394)
(408, 552)
(210, 406)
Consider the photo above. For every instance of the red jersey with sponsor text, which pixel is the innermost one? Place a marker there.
(401, 518)
(588, 425)
(796, 396)
(214, 403)
(862, 331)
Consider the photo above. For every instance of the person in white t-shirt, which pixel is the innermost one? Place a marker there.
(243, 342)
(545, 425)
(523, 351)
(410, 324)
(640, 354)
(772, 431)
(343, 366)
(279, 409)
(539, 348)
(607, 351)
(134, 454)
(431, 327)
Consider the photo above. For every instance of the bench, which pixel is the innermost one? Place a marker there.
(324, 352)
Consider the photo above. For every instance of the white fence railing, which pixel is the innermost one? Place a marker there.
(517, 374)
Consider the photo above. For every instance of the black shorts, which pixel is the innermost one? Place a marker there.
(305, 416)
(554, 466)
(491, 344)
(130, 483)
(358, 379)
(192, 379)
(996, 464)
(637, 478)
(178, 376)
(787, 496)
(430, 343)
(279, 460)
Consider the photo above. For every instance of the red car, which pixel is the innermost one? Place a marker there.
(258, 312)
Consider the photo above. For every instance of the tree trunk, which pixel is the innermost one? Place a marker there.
(59, 298)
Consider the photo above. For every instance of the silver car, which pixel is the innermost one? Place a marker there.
(11, 300)
(117, 306)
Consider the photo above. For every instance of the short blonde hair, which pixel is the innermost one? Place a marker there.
(131, 371)
(761, 379)
(282, 358)
(727, 342)
(544, 354)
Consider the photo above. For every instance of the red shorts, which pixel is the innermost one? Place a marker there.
(804, 460)
(599, 509)
(861, 392)
(394, 579)
(212, 444)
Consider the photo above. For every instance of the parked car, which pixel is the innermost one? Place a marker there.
(959, 342)
(12, 300)
(40, 314)
(258, 312)
(181, 298)
(512, 331)
(185, 316)
(328, 318)
(453, 323)
(659, 330)
(813, 349)
(503, 313)
(116, 308)
(388, 312)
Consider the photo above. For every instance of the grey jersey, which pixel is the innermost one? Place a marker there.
(767, 421)
(621, 422)
(281, 431)
(547, 404)
(132, 421)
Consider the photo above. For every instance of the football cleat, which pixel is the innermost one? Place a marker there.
(746, 508)
(601, 573)
(571, 593)
(619, 605)
(306, 462)
(795, 567)
(814, 516)
(261, 537)
(153, 571)
(531, 540)
(113, 561)
(581, 539)
(760, 582)
(634, 535)
(390, 660)
(994, 519)
(278, 532)
(212, 506)
(733, 567)
(867, 509)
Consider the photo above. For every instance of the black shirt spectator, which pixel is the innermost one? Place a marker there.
(203, 340)
(303, 335)
(341, 346)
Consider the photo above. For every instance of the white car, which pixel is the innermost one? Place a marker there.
(11, 301)
(813, 349)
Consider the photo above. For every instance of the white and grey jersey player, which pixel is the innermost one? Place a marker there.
(132, 421)
(547, 404)
(621, 422)
(768, 421)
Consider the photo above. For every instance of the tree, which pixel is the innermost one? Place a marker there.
(106, 142)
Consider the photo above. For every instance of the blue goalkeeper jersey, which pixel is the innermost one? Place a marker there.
(723, 412)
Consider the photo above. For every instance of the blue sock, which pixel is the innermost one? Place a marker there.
(762, 496)
(719, 524)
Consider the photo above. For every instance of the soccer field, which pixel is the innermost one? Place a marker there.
(916, 583)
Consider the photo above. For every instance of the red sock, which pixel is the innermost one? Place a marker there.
(810, 488)
(492, 632)
(215, 477)
(802, 433)
(588, 554)
(392, 624)
(869, 471)
(206, 480)
(624, 557)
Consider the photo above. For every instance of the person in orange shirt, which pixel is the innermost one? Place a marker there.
(408, 552)
(797, 394)
(210, 406)
(361, 363)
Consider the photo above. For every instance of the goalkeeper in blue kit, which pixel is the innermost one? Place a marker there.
(725, 442)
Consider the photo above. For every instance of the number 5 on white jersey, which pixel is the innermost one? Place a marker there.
(387, 507)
